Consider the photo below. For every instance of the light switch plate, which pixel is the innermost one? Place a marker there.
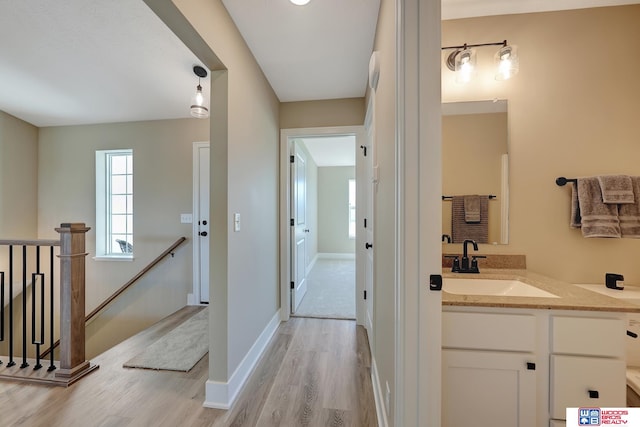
(186, 218)
(236, 222)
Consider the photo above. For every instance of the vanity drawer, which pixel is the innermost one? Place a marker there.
(572, 377)
(488, 331)
(588, 336)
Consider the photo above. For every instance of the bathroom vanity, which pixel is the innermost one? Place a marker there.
(515, 356)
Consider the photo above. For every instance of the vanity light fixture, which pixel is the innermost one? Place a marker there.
(199, 109)
(463, 61)
(300, 2)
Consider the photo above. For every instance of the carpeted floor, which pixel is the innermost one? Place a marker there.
(331, 290)
(180, 349)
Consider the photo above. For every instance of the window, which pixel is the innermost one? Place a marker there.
(114, 203)
(352, 208)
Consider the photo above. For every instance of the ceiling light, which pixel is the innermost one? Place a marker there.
(463, 61)
(300, 2)
(198, 102)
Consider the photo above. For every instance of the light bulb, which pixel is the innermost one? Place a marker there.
(465, 66)
(507, 62)
(198, 109)
(300, 2)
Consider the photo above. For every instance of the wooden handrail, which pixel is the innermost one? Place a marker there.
(124, 287)
(29, 242)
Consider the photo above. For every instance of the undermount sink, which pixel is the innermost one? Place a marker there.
(629, 293)
(495, 287)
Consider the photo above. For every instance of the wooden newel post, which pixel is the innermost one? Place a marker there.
(72, 300)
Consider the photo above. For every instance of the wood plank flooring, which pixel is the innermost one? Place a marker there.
(315, 372)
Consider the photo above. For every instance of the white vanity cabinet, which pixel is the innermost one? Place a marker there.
(523, 367)
(587, 363)
(488, 369)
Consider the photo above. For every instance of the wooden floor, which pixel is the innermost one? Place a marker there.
(315, 372)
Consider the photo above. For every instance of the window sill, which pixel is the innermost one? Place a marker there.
(113, 258)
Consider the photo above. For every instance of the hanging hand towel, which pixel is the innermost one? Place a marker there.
(616, 189)
(629, 213)
(461, 230)
(472, 209)
(598, 219)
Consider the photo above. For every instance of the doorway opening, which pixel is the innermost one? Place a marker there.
(319, 250)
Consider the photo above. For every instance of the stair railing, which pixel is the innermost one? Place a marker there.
(73, 363)
(123, 288)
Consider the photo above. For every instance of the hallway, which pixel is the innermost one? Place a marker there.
(314, 372)
(331, 290)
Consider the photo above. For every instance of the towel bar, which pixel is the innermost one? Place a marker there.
(562, 181)
(490, 196)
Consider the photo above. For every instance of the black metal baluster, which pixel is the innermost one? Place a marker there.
(11, 362)
(52, 366)
(24, 307)
(34, 279)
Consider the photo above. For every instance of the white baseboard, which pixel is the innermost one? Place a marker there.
(381, 410)
(337, 255)
(221, 395)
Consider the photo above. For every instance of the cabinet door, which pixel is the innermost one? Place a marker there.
(484, 388)
(573, 377)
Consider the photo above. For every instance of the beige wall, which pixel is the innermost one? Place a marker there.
(333, 209)
(162, 153)
(573, 111)
(325, 113)
(18, 178)
(248, 152)
(472, 149)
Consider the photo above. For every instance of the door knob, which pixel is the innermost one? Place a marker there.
(368, 245)
(203, 233)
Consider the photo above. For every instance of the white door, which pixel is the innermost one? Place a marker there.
(201, 219)
(299, 228)
(369, 192)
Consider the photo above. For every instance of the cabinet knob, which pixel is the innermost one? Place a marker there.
(593, 394)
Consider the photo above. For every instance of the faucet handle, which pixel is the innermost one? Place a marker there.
(474, 263)
(455, 267)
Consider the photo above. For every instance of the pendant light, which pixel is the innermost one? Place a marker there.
(198, 105)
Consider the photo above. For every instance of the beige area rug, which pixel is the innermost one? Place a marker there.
(180, 349)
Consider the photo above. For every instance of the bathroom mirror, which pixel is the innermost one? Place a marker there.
(475, 161)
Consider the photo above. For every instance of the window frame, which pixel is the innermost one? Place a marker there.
(104, 207)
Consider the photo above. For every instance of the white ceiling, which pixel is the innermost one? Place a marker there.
(338, 150)
(96, 61)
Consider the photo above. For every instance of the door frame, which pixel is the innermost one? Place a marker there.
(285, 213)
(194, 297)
